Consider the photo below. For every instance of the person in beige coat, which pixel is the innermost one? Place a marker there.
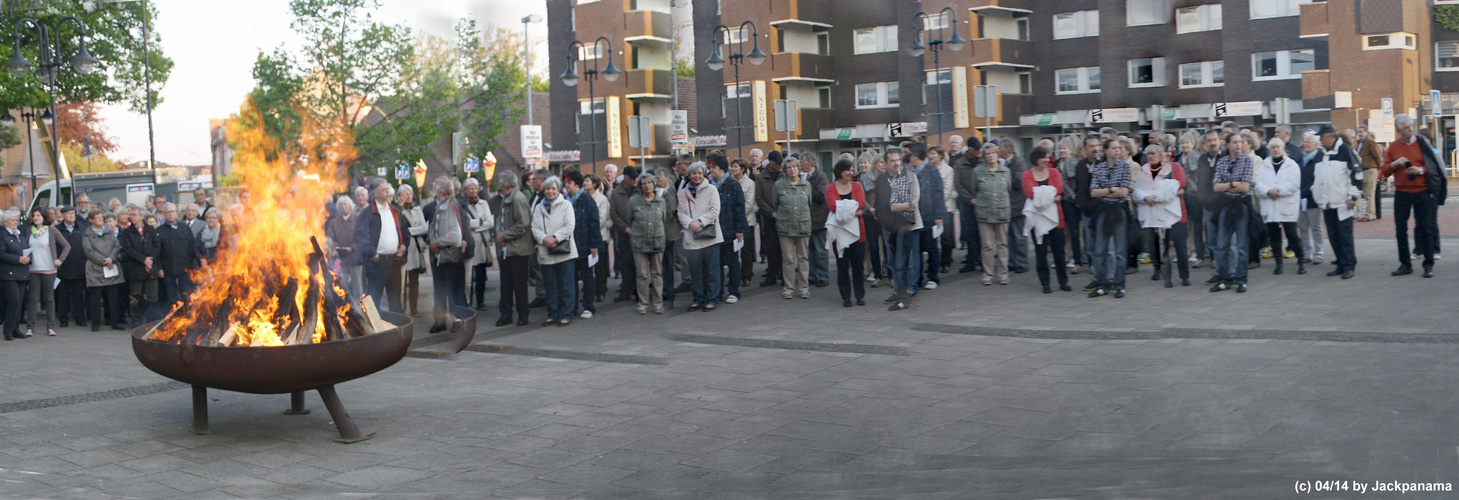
(698, 213)
(553, 221)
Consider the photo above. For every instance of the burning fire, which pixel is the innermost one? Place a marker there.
(267, 287)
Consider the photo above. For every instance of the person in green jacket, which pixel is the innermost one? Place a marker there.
(645, 229)
(991, 187)
(793, 220)
(514, 237)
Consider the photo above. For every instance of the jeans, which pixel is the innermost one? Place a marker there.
(820, 268)
(671, 257)
(514, 287)
(590, 283)
(1309, 228)
(1274, 232)
(1340, 236)
(1208, 226)
(558, 281)
(933, 263)
(795, 264)
(1053, 243)
(649, 278)
(971, 234)
(730, 259)
(994, 240)
(382, 280)
(1232, 242)
(1425, 225)
(704, 275)
(1017, 242)
(1110, 249)
(849, 273)
(1073, 219)
(905, 252)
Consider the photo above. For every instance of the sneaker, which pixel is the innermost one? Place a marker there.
(931, 285)
(642, 310)
(1266, 252)
(1215, 280)
(871, 279)
(1241, 288)
(876, 284)
(1092, 286)
(805, 295)
(1097, 292)
(987, 281)
(1219, 287)
(1437, 256)
(892, 300)
(731, 300)
(1120, 294)
(586, 314)
(659, 310)
(1003, 281)
(787, 294)
(50, 332)
(1071, 266)
(1291, 254)
(899, 305)
(1144, 258)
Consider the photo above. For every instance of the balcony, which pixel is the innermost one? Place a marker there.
(648, 25)
(1024, 6)
(813, 120)
(648, 83)
(1010, 107)
(1314, 20)
(813, 13)
(801, 66)
(1001, 52)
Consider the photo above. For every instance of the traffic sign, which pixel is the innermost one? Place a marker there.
(786, 118)
(1387, 106)
(531, 141)
(1436, 102)
(985, 101)
(402, 170)
(472, 164)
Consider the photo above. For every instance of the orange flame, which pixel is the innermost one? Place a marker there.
(258, 255)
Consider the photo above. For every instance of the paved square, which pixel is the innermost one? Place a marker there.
(975, 392)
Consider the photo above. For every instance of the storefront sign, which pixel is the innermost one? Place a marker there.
(1230, 109)
(762, 113)
(615, 129)
(709, 141)
(959, 97)
(568, 156)
(1114, 115)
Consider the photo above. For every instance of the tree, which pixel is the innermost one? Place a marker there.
(114, 37)
(80, 122)
(493, 84)
(78, 164)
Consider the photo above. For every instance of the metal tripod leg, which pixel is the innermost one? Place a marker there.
(296, 404)
(200, 410)
(348, 431)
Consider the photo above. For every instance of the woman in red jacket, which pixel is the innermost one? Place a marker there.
(1053, 242)
(849, 272)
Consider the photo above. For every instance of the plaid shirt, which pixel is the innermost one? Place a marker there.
(1237, 170)
(1105, 176)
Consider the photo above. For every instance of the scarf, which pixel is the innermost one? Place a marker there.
(209, 237)
(38, 231)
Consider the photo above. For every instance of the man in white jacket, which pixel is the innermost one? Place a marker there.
(1336, 186)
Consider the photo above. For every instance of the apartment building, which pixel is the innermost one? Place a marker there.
(1058, 66)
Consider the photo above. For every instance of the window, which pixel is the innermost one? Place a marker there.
(1147, 72)
(1281, 65)
(736, 35)
(1076, 24)
(1203, 74)
(1390, 41)
(731, 93)
(878, 95)
(1077, 80)
(1446, 55)
(1198, 18)
(1145, 12)
(823, 43)
(598, 106)
(590, 52)
(934, 22)
(825, 96)
(1262, 9)
(939, 77)
(873, 40)
(1025, 83)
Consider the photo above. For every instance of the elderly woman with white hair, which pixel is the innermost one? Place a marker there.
(415, 248)
(698, 214)
(479, 214)
(339, 233)
(1279, 189)
(553, 221)
(14, 270)
(447, 233)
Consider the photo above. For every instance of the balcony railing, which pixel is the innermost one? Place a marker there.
(1001, 50)
(816, 11)
(648, 81)
(802, 65)
(640, 23)
(1018, 5)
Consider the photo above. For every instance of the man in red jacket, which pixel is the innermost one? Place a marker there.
(1418, 180)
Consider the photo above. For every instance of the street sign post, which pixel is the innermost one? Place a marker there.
(640, 135)
(985, 102)
(531, 141)
(787, 119)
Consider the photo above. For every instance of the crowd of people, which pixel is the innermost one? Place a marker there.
(89, 264)
(1101, 203)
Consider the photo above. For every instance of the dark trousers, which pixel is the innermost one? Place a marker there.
(589, 286)
(849, 273)
(1174, 237)
(11, 291)
(382, 282)
(514, 286)
(747, 261)
(1424, 207)
(71, 300)
(670, 256)
(449, 286)
(728, 258)
(874, 245)
(1051, 243)
(1274, 232)
(968, 221)
(627, 287)
(601, 271)
(772, 248)
(933, 264)
(1073, 219)
(105, 296)
(478, 284)
(1196, 214)
(1258, 238)
(173, 288)
(1340, 238)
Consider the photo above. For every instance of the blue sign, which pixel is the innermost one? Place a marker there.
(1436, 102)
(473, 164)
(1387, 106)
(402, 171)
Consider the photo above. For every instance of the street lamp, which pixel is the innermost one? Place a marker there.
(527, 57)
(87, 154)
(716, 62)
(571, 77)
(956, 43)
(49, 40)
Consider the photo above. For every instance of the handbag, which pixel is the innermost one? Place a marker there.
(706, 233)
(563, 247)
(451, 255)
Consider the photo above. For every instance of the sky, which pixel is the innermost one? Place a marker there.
(214, 44)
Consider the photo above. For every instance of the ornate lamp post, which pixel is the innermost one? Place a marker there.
(571, 77)
(716, 62)
(49, 41)
(956, 43)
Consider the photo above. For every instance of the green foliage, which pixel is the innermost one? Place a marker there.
(113, 32)
(684, 67)
(493, 85)
(1447, 16)
(9, 138)
(541, 84)
(77, 164)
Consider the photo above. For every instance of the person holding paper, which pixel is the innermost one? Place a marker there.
(849, 272)
(587, 234)
(103, 275)
(1042, 176)
(48, 250)
(1336, 186)
(734, 223)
